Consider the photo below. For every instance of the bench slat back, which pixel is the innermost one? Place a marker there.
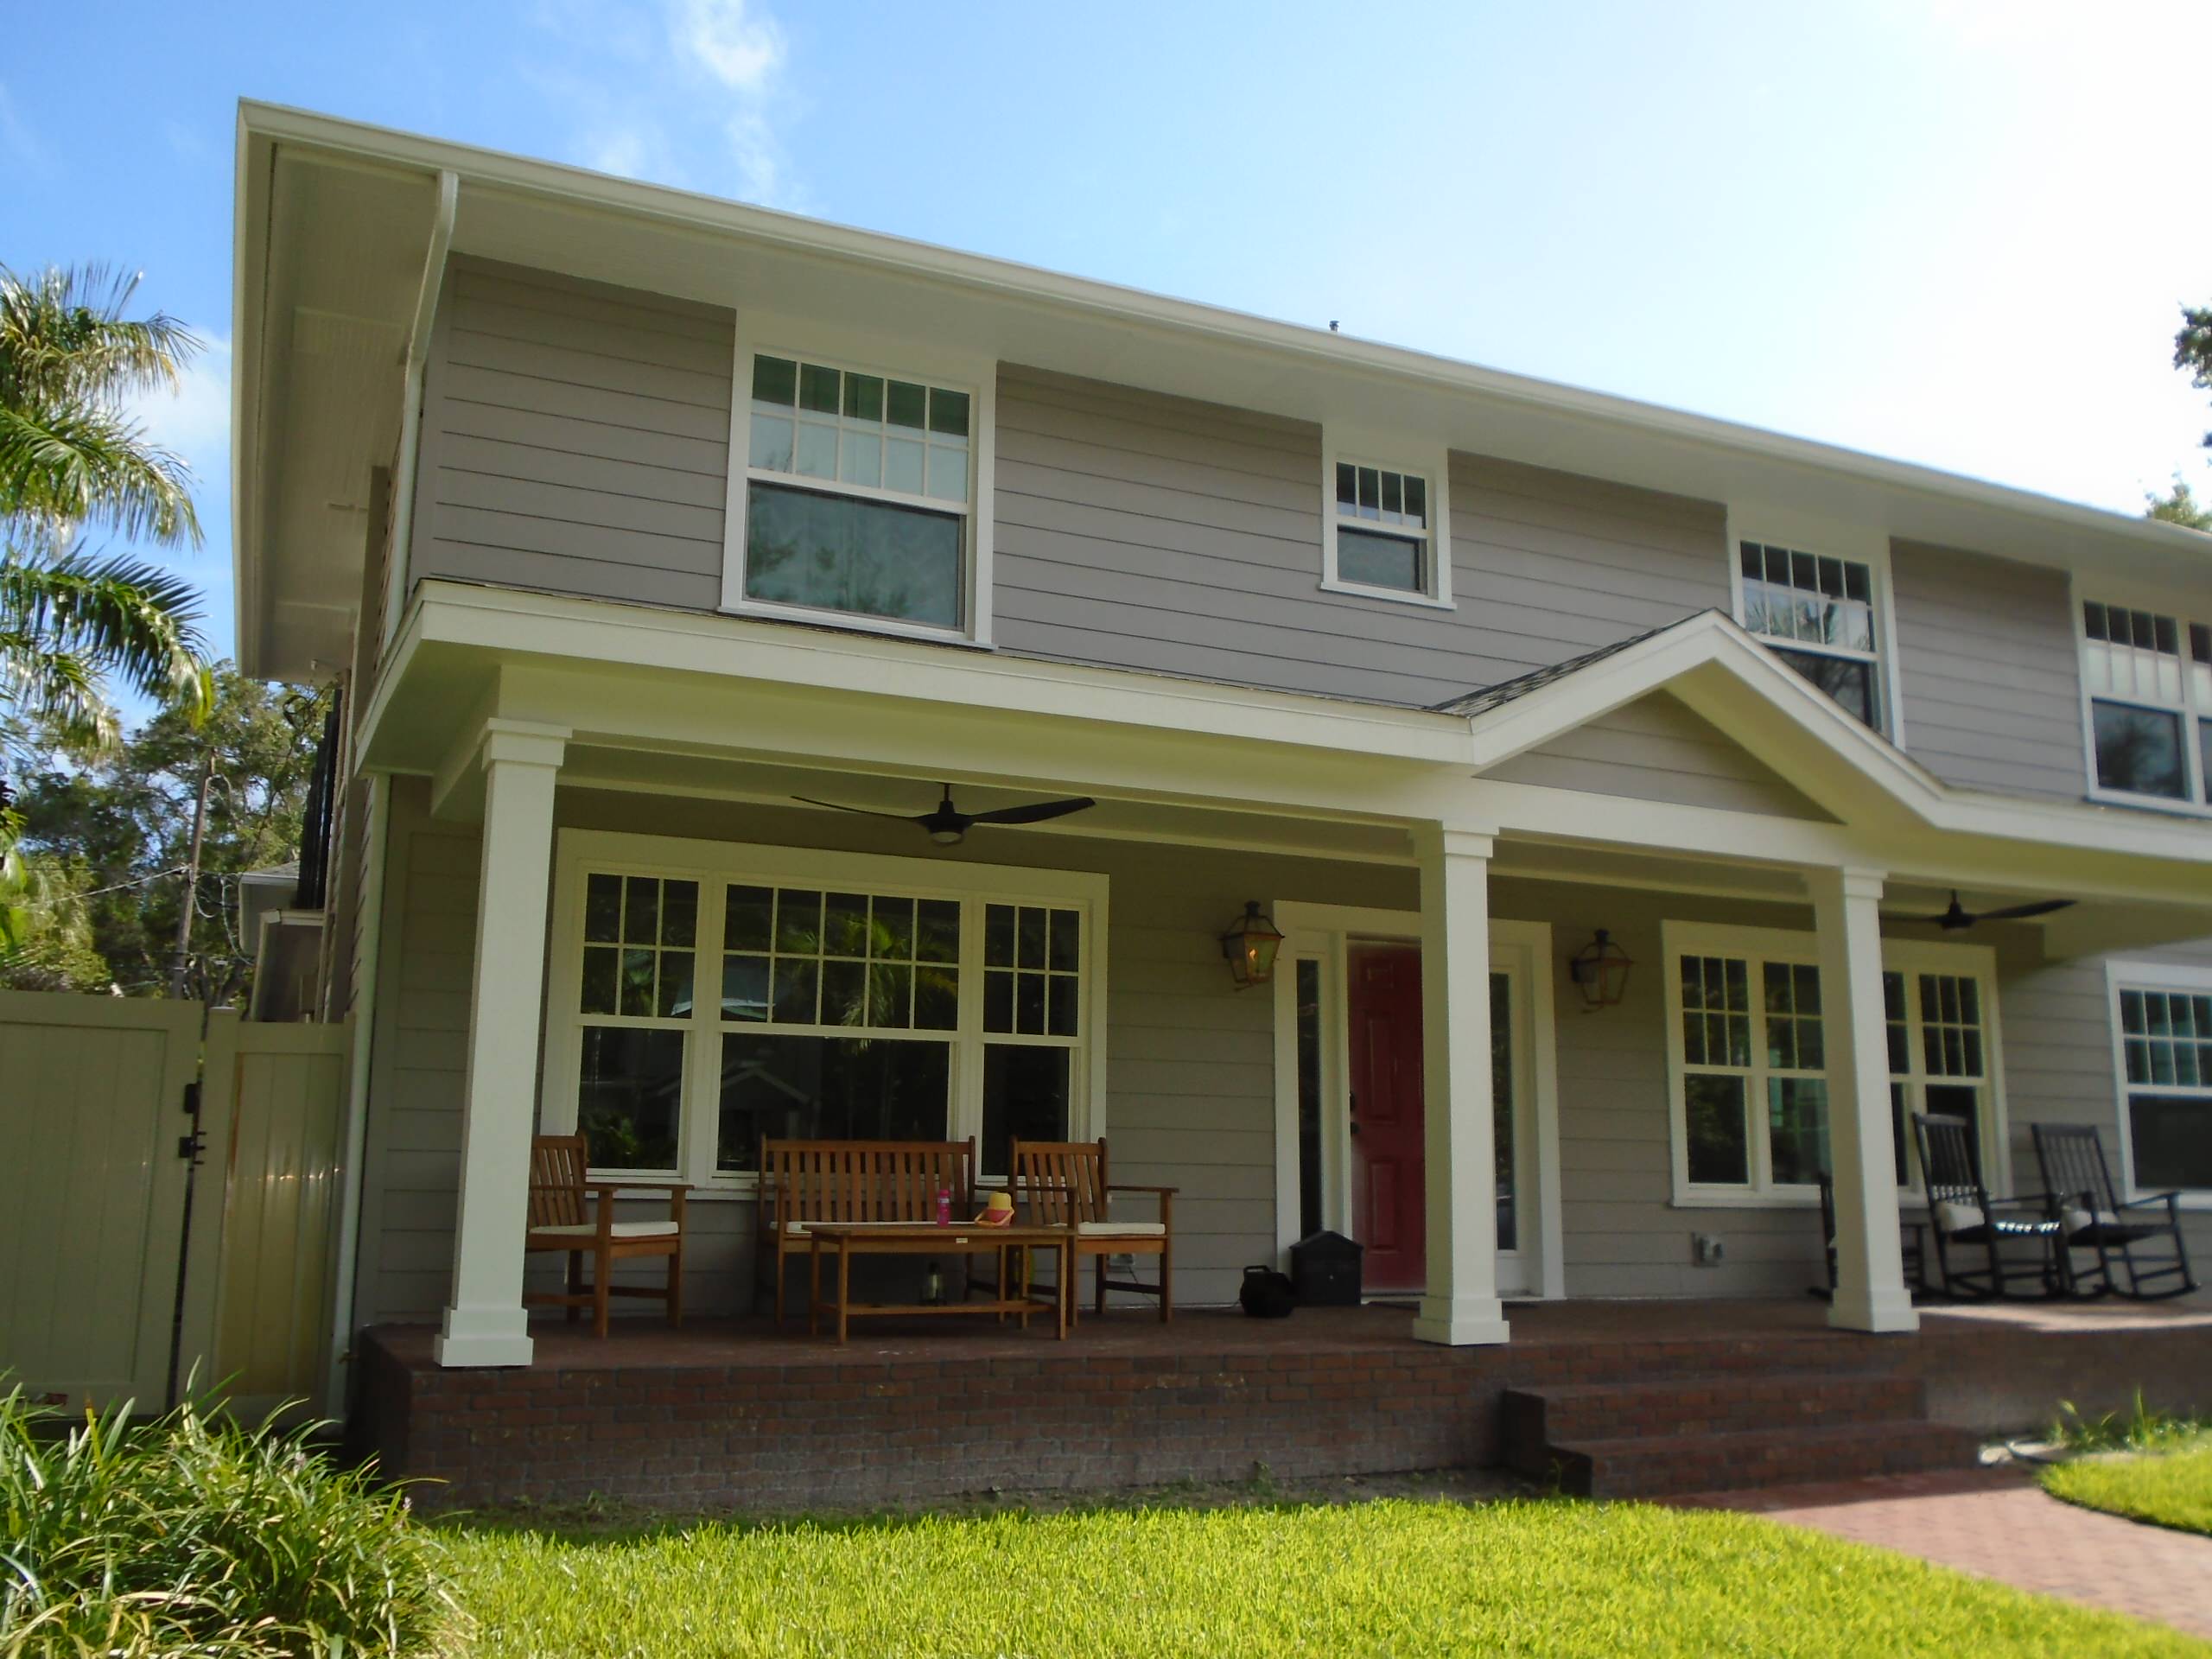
(1063, 1181)
(557, 1163)
(864, 1180)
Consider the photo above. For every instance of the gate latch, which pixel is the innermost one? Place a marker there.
(189, 1146)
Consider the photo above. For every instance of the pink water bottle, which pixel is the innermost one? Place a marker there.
(944, 1206)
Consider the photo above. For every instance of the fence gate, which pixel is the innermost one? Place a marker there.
(167, 1201)
(96, 1134)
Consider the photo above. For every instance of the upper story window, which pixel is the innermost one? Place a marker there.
(2148, 678)
(860, 494)
(1817, 614)
(1383, 532)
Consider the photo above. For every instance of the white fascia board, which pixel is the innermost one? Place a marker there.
(514, 622)
(1333, 353)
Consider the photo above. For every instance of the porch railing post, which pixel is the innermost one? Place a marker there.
(1871, 1294)
(485, 1324)
(1460, 1305)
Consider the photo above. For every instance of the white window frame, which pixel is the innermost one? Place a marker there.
(579, 853)
(1757, 944)
(1802, 532)
(1397, 453)
(2140, 976)
(2122, 595)
(897, 357)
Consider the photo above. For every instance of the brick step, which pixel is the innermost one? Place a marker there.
(1825, 1354)
(1671, 1466)
(1709, 1405)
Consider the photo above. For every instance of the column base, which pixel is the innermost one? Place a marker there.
(474, 1337)
(1879, 1311)
(1460, 1321)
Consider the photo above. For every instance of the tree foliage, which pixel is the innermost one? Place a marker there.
(123, 823)
(2193, 350)
(2180, 506)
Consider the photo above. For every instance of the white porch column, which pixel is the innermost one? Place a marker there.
(1461, 1303)
(484, 1323)
(1871, 1294)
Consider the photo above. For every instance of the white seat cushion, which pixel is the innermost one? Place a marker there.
(622, 1230)
(2079, 1220)
(1120, 1230)
(1956, 1215)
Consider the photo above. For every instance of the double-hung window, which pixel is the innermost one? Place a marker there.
(2148, 678)
(1748, 1043)
(2162, 1018)
(1384, 530)
(860, 494)
(706, 996)
(1818, 613)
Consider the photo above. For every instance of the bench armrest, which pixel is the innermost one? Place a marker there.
(1120, 1186)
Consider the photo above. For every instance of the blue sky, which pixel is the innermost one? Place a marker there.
(1952, 231)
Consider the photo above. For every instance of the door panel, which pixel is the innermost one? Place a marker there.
(1390, 1212)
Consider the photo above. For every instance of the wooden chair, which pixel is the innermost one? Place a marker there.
(1963, 1217)
(570, 1212)
(1064, 1183)
(2092, 1216)
(807, 1181)
(1912, 1242)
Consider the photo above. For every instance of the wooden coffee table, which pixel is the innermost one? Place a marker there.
(845, 1239)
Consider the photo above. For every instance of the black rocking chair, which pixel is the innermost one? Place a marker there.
(2092, 1217)
(1912, 1240)
(1965, 1219)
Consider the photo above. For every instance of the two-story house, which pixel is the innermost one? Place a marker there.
(1603, 768)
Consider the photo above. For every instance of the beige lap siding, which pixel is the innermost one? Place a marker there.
(1658, 749)
(576, 439)
(1989, 671)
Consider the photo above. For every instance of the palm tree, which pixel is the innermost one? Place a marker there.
(71, 456)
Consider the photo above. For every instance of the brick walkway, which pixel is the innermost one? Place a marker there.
(1996, 1524)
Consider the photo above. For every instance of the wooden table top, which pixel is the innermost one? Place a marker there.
(959, 1232)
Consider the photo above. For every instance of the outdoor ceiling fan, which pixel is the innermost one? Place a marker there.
(947, 823)
(1958, 916)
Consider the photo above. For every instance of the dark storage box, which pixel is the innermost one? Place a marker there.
(1325, 1270)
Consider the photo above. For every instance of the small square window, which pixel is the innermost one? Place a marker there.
(1381, 537)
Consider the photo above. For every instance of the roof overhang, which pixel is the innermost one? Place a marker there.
(336, 219)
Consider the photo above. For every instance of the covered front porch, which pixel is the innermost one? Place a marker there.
(1559, 1152)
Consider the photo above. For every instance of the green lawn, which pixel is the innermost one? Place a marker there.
(1393, 1577)
(2170, 1488)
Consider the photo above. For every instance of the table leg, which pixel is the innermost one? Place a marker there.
(844, 1287)
(813, 1282)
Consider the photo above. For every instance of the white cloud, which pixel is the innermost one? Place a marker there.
(739, 46)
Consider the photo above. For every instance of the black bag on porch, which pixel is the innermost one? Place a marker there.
(1266, 1294)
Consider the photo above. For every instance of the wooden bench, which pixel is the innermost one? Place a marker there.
(850, 1181)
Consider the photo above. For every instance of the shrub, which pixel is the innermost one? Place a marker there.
(2141, 1428)
(190, 1535)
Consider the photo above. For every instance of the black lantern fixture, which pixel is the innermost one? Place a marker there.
(1251, 945)
(1600, 971)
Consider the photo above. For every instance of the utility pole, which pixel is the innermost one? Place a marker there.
(181, 960)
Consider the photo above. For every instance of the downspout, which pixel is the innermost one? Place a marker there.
(411, 410)
(367, 965)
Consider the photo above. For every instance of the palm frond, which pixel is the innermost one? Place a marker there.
(61, 689)
(74, 462)
(63, 337)
(115, 615)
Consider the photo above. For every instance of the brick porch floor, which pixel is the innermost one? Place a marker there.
(728, 1413)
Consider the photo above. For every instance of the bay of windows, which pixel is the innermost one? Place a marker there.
(2148, 677)
(1750, 1048)
(858, 492)
(696, 1014)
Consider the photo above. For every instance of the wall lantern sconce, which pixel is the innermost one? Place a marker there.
(1600, 972)
(1251, 945)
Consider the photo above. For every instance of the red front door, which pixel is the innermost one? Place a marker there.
(1388, 1211)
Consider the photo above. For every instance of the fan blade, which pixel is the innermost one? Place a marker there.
(2021, 912)
(1036, 812)
(866, 812)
